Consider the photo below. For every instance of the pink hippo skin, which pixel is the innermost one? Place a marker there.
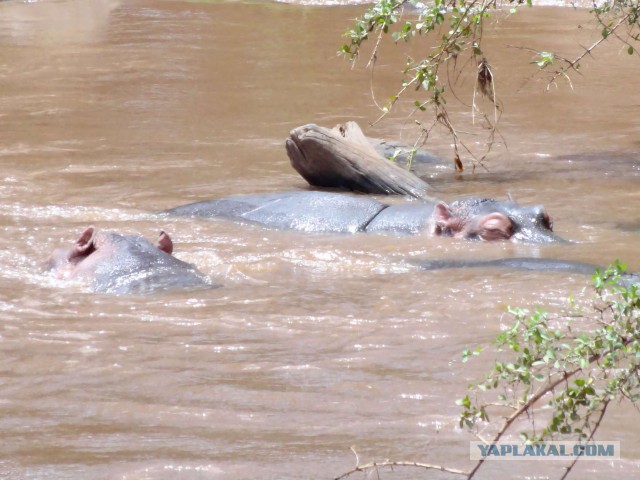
(124, 264)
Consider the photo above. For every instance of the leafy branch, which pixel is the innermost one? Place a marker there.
(457, 26)
(582, 372)
(576, 371)
(454, 29)
(612, 16)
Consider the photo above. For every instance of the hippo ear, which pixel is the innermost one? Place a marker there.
(164, 242)
(86, 238)
(84, 246)
(444, 221)
(542, 218)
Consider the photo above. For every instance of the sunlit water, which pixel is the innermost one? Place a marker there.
(112, 111)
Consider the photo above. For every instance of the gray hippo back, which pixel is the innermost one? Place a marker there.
(303, 211)
(627, 279)
(411, 219)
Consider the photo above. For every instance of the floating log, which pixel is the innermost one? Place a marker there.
(344, 158)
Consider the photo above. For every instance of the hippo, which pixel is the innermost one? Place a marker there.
(417, 160)
(109, 262)
(504, 220)
(322, 212)
(527, 263)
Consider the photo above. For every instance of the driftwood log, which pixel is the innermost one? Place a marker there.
(344, 158)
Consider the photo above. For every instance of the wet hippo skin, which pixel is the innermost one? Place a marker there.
(527, 263)
(108, 262)
(315, 211)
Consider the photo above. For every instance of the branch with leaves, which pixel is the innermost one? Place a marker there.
(616, 18)
(455, 29)
(582, 372)
(571, 371)
(458, 25)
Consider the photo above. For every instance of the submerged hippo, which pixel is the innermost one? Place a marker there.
(527, 263)
(312, 211)
(123, 264)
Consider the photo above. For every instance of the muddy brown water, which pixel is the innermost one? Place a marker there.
(110, 111)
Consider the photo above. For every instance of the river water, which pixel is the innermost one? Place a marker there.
(111, 111)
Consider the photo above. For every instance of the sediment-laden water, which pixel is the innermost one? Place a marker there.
(111, 111)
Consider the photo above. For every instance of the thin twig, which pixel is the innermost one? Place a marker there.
(390, 464)
(593, 432)
(372, 64)
(352, 448)
(576, 61)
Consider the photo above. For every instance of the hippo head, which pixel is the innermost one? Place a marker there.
(488, 219)
(92, 248)
(112, 263)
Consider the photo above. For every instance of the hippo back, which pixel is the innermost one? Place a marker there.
(627, 279)
(132, 265)
(307, 211)
(410, 219)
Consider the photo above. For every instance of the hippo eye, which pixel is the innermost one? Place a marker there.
(444, 230)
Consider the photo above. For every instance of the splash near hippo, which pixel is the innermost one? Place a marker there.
(108, 262)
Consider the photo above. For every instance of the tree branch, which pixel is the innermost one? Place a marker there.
(390, 464)
(573, 63)
(593, 432)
